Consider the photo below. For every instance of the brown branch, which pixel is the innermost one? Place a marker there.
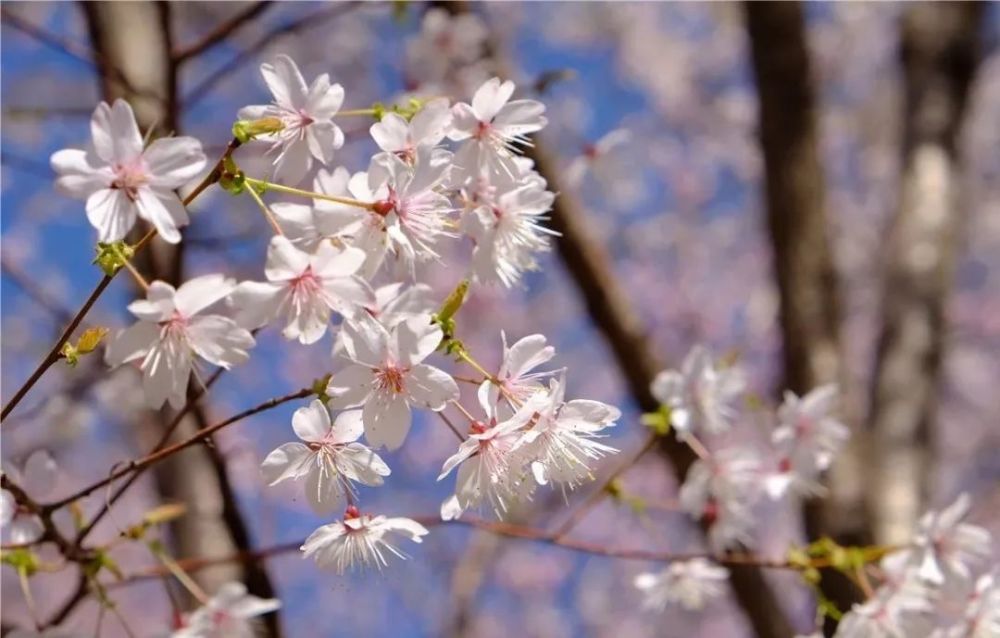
(499, 528)
(37, 294)
(939, 55)
(803, 264)
(137, 465)
(221, 31)
(193, 397)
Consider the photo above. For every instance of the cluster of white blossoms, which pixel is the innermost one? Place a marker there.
(702, 402)
(942, 585)
(347, 262)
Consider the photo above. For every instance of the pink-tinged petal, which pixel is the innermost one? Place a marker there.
(346, 294)
(285, 82)
(586, 414)
(296, 221)
(416, 339)
(323, 541)
(81, 173)
(324, 99)
(365, 341)
(325, 492)
(164, 211)
(219, 340)
(307, 321)
(255, 112)
(667, 387)
(8, 508)
(289, 461)
(527, 354)
(464, 122)
(312, 423)
(201, 292)
(350, 387)
(387, 420)
(360, 464)
(132, 343)
(465, 450)
(40, 473)
(284, 260)
(451, 509)
(431, 123)
(116, 135)
(24, 529)
(430, 387)
(391, 134)
(331, 183)
(158, 304)
(252, 606)
(293, 163)
(257, 303)
(112, 213)
(347, 427)
(174, 161)
(166, 373)
(406, 526)
(491, 97)
(322, 138)
(332, 262)
(520, 117)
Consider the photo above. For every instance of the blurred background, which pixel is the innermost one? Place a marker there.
(814, 189)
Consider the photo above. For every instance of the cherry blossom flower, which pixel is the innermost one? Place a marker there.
(399, 138)
(307, 226)
(689, 583)
(982, 615)
(807, 439)
(561, 437)
(231, 613)
(306, 115)
(171, 330)
(699, 396)
(720, 491)
(387, 376)
(515, 379)
(489, 465)
(946, 551)
(303, 288)
(492, 127)
(445, 41)
(416, 214)
(596, 157)
(122, 181)
(329, 460)
(37, 477)
(898, 610)
(393, 305)
(508, 232)
(359, 541)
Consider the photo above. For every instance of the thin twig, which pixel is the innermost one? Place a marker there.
(308, 21)
(151, 459)
(222, 31)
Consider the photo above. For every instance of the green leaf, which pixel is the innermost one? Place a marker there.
(111, 257)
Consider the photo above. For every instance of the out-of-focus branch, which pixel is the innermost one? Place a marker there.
(939, 54)
(133, 41)
(611, 311)
(222, 31)
(803, 263)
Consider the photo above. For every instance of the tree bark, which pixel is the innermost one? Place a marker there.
(804, 268)
(939, 55)
(132, 43)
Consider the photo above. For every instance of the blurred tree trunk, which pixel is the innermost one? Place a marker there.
(803, 263)
(132, 43)
(939, 56)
